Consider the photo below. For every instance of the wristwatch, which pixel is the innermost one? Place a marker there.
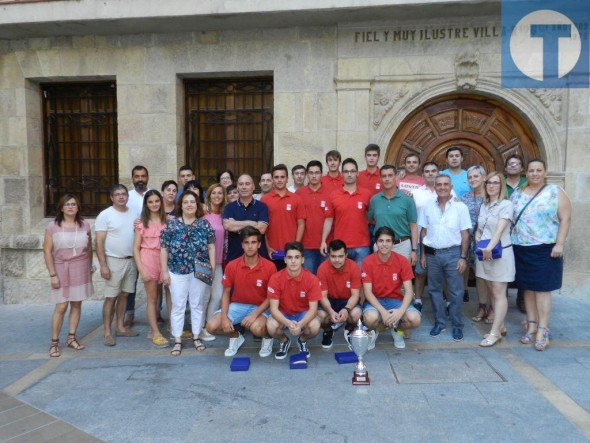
(414, 249)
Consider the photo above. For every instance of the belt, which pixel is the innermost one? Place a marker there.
(397, 241)
(433, 251)
(121, 258)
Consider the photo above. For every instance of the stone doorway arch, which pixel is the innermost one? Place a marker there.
(486, 130)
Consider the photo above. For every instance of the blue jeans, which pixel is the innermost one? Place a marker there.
(313, 259)
(439, 268)
(359, 254)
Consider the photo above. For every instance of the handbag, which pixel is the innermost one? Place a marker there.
(482, 244)
(204, 272)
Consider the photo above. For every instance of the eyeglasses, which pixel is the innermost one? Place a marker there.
(70, 205)
(493, 183)
(511, 164)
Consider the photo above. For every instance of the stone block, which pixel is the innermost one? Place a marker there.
(298, 147)
(11, 160)
(165, 62)
(129, 129)
(327, 111)
(284, 120)
(15, 190)
(29, 63)
(10, 72)
(310, 112)
(27, 242)
(37, 44)
(346, 110)
(36, 191)
(154, 156)
(12, 220)
(362, 99)
(19, 45)
(578, 153)
(83, 42)
(159, 128)
(208, 37)
(61, 42)
(50, 62)
(13, 263)
(17, 131)
(35, 264)
(129, 65)
(26, 290)
(317, 32)
(357, 68)
(7, 102)
(351, 144)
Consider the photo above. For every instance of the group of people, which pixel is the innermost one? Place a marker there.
(324, 253)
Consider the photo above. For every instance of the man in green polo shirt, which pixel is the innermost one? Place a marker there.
(394, 209)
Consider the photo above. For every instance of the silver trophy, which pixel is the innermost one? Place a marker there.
(359, 341)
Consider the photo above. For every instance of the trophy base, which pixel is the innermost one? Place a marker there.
(360, 380)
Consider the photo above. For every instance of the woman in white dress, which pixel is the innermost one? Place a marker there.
(493, 224)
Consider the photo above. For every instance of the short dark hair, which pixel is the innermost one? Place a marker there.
(372, 147)
(350, 160)
(168, 183)
(279, 167)
(337, 245)
(194, 184)
(139, 168)
(296, 167)
(386, 167)
(430, 164)
(294, 246)
(313, 163)
(334, 154)
(517, 157)
(231, 188)
(185, 168)
(113, 188)
(384, 230)
(249, 231)
(223, 171)
(453, 148)
(412, 154)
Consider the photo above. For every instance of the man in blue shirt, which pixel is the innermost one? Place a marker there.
(458, 176)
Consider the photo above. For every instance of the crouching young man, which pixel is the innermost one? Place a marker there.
(244, 300)
(294, 294)
(383, 273)
(340, 280)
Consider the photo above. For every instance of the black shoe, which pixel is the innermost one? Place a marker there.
(457, 334)
(465, 296)
(418, 306)
(436, 331)
(303, 348)
(283, 349)
(327, 340)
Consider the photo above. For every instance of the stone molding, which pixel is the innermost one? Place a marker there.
(383, 101)
(467, 70)
(552, 100)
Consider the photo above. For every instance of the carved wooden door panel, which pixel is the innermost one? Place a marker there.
(485, 130)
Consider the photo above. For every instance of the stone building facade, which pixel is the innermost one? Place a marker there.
(407, 77)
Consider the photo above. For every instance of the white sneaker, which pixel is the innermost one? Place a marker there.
(398, 339)
(234, 345)
(372, 340)
(266, 347)
(347, 338)
(205, 336)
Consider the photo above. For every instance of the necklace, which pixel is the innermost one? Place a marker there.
(63, 233)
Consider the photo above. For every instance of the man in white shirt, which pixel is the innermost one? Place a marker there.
(114, 249)
(265, 184)
(444, 242)
(298, 174)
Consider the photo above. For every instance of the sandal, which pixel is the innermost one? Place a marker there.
(527, 338)
(198, 344)
(176, 350)
(541, 345)
(490, 317)
(160, 341)
(54, 348)
(482, 312)
(74, 343)
(490, 340)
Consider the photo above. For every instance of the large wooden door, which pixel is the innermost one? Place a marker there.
(487, 132)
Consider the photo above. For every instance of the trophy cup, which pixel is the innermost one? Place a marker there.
(359, 341)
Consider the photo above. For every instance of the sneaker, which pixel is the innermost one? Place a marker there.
(418, 305)
(436, 331)
(457, 334)
(336, 326)
(398, 339)
(347, 338)
(303, 347)
(327, 339)
(266, 348)
(372, 340)
(283, 349)
(205, 336)
(234, 345)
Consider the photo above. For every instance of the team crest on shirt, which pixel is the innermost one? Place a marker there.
(348, 284)
(394, 276)
(363, 274)
(288, 206)
(322, 204)
(302, 294)
(224, 277)
(271, 290)
(377, 186)
(359, 205)
(259, 283)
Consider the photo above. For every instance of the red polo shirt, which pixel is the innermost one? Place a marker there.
(294, 293)
(249, 284)
(350, 216)
(371, 181)
(283, 213)
(331, 183)
(387, 277)
(339, 283)
(316, 207)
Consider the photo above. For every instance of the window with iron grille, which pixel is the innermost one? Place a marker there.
(80, 143)
(229, 126)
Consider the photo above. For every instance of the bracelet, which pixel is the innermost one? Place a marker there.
(347, 309)
(52, 275)
(414, 250)
(462, 258)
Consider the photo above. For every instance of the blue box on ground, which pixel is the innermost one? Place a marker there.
(240, 364)
(346, 357)
(298, 361)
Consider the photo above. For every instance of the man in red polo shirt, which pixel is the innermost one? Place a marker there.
(383, 274)
(340, 280)
(348, 215)
(294, 294)
(286, 216)
(370, 178)
(316, 198)
(333, 178)
(244, 300)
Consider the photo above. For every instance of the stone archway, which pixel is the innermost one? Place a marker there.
(486, 130)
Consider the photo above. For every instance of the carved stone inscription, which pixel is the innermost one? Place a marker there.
(424, 34)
